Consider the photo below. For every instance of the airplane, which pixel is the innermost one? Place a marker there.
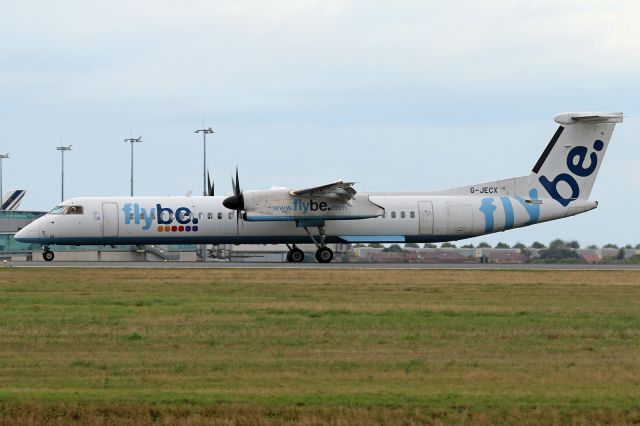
(558, 186)
(12, 199)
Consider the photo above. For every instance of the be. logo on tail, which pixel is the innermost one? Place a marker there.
(576, 165)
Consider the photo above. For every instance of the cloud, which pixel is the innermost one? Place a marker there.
(430, 93)
(296, 45)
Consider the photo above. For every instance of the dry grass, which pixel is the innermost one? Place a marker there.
(33, 413)
(319, 347)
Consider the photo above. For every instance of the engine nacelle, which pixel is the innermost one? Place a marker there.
(280, 205)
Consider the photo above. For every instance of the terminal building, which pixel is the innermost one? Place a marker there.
(11, 221)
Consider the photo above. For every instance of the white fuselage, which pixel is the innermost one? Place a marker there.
(189, 220)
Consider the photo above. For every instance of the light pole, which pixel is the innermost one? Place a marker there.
(132, 141)
(204, 132)
(205, 192)
(2, 157)
(62, 149)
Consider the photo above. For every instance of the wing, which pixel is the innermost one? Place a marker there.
(338, 189)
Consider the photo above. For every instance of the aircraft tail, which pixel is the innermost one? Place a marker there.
(12, 199)
(568, 167)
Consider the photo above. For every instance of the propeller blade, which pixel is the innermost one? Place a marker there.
(237, 187)
(236, 201)
(210, 186)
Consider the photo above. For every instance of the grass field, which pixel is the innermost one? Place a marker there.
(103, 346)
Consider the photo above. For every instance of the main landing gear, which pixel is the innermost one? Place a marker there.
(295, 255)
(47, 254)
(323, 255)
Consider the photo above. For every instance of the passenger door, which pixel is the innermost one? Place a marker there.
(426, 217)
(109, 219)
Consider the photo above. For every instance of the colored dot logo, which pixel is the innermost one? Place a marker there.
(174, 228)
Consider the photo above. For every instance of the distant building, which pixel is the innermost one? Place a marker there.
(590, 256)
(422, 256)
(505, 256)
(12, 221)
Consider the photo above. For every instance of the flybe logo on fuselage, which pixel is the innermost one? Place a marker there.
(305, 206)
(575, 163)
(165, 219)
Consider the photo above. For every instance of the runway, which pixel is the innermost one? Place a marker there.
(332, 266)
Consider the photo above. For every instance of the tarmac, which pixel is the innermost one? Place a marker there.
(313, 265)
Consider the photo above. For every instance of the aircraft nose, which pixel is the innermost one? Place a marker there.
(28, 234)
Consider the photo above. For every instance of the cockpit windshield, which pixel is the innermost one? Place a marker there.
(66, 210)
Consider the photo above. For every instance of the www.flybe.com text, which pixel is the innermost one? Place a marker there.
(309, 206)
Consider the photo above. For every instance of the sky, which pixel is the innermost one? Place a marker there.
(398, 96)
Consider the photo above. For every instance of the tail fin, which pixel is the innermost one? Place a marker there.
(12, 199)
(566, 169)
(568, 166)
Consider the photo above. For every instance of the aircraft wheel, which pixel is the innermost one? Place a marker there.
(296, 255)
(289, 256)
(324, 255)
(48, 255)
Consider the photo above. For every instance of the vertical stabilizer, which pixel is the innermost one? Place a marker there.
(12, 199)
(568, 167)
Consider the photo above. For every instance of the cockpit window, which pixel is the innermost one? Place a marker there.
(67, 210)
(57, 210)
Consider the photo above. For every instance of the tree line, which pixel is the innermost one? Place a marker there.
(556, 244)
(558, 250)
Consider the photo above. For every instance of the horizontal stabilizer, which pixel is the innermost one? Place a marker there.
(568, 118)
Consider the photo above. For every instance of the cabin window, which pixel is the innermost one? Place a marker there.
(210, 216)
(402, 215)
(393, 215)
(231, 215)
(200, 216)
(412, 215)
(131, 216)
(219, 215)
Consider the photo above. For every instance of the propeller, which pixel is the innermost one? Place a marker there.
(235, 201)
(210, 186)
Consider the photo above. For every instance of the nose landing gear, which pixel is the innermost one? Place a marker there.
(47, 254)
